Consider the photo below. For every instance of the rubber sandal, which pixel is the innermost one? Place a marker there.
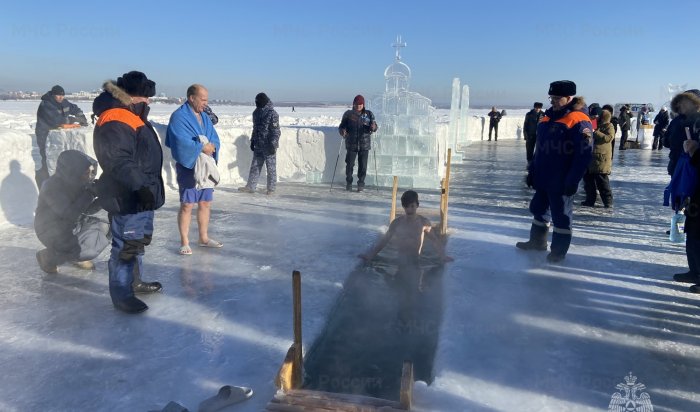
(185, 250)
(228, 395)
(212, 243)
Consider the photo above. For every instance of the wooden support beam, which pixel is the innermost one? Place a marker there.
(394, 189)
(406, 395)
(297, 375)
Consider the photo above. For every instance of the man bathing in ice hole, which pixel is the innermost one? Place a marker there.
(410, 231)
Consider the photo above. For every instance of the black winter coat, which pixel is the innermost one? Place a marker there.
(675, 136)
(661, 122)
(692, 210)
(52, 114)
(358, 129)
(266, 130)
(532, 118)
(129, 153)
(495, 117)
(624, 121)
(63, 198)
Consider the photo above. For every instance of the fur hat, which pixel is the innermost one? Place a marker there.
(359, 99)
(261, 100)
(58, 91)
(693, 95)
(562, 88)
(137, 84)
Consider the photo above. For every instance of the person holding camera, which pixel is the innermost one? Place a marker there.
(356, 128)
(54, 112)
(63, 221)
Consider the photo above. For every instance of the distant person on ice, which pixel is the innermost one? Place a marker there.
(596, 179)
(62, 222)
(264, 142)
(54, 112)
(356, 128)
(661, 121)
(624, 121)
(532, 119)
(195, 145)
(131, 186)
(563, 153)
(410, 231)
(494, 118)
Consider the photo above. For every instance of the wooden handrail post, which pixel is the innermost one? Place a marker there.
(394, 189)
(297, 375)
(406, 391)
(446, 194)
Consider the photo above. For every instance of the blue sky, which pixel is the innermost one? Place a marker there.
(507, 52)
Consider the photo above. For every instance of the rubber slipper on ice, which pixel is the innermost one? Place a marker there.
(211, 243)
(228, 395)
(173, 406)
(185, 250)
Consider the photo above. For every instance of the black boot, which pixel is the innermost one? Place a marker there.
(686, 277)
(140, 286)
(131, 305)
(560, 245)
(45, 260)
(538, 238)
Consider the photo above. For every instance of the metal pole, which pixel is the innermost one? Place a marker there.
(336, 160)
(376, 181)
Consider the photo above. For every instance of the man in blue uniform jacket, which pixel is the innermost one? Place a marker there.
(564, 150)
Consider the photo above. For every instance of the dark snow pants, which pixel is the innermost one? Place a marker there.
(593, 182)
(361, 156)
(560, 209)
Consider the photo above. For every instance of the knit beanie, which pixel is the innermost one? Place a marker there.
(261, 100)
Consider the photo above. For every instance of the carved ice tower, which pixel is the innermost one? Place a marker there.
(405, 144)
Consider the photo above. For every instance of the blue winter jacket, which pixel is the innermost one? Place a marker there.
(564, 148)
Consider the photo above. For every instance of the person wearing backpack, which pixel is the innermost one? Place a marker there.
(692, 213)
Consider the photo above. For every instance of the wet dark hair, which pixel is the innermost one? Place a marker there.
(409, 197)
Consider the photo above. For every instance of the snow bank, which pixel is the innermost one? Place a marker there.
(308, 150)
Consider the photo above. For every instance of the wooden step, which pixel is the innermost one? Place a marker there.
(309, 400)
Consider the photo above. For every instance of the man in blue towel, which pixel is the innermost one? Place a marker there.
(191, 133)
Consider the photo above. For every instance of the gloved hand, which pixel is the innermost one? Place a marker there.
(529, 180)
(271, 149)
(92, 187)
(94, 207)
(570, 190)
(146, 198)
